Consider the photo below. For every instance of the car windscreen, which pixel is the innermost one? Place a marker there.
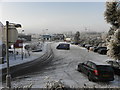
(103, 48)
(65, 45)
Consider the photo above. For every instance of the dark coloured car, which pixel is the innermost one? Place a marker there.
(96, 71)
(76, 43)
(97, 48)
(83, 45)
(64, 46)
(72, 42)
(102, 50)
(116, 66)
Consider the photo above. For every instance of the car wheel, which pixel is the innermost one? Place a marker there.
(68, 48)
(89, 77)
(79, 69)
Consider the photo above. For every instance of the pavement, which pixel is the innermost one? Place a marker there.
(20, 66)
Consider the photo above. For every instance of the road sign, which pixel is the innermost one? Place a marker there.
(12, 34)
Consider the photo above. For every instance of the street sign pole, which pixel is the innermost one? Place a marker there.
(8, 76)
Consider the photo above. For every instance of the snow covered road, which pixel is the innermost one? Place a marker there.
(63, 67)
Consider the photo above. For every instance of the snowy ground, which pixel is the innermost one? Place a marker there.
(63, 67)
(17, 59)
(26, 58)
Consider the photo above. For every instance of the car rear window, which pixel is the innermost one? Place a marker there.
(102, 47)
(89, 64)
(104, 67)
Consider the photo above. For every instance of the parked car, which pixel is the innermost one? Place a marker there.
(115, 65)
(92, 48)
(76, 43)
(97, 48)
(83, 45)
(65, 46)
(96, 71)
(72, 42)
(37, 50)
(88, 46)
(102, 50)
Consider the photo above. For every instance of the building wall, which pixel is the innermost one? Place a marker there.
(58, 37)
(0, 48)
(1, 29)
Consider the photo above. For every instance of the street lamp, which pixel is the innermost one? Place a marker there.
(9, 26)
(22, 44)
(44, 33)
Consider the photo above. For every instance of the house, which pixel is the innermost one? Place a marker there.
(46, 37)
(25, 37)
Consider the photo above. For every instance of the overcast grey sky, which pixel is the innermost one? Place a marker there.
(55, 16)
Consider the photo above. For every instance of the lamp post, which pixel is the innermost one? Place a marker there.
(22, 45)
(9, 27)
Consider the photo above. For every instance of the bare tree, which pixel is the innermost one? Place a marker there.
(77, 37)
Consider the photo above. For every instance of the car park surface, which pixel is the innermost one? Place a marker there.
(63, 67)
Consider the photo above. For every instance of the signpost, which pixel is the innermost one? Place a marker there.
(10, 37)
(8, 77)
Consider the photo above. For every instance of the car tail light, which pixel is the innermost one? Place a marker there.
(96, 72)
